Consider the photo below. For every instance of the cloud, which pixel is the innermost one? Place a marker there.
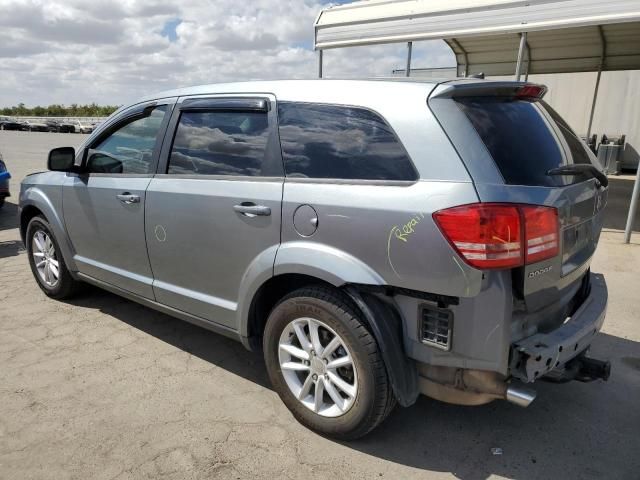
(112, 52)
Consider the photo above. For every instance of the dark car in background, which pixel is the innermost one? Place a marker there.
(4, 182)
(52, 125)
(9, 123)
(65, 126)
(36, 126)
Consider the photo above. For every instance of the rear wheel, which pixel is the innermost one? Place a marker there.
(47, 264)
(325, 364)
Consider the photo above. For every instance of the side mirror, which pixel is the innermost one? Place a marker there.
(62, 159)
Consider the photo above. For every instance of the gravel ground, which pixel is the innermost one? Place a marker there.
(100, 387)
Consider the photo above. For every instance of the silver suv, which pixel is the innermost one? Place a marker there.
(376, 239)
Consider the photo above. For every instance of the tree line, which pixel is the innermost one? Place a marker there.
(56, 110)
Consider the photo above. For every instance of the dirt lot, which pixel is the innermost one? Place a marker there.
(100, 387)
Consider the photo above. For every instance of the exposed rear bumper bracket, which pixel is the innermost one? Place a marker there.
(582, 369)
(536, 356)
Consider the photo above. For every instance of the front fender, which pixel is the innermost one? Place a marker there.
(50, 204)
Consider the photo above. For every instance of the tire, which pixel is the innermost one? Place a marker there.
(349, 417)
(1, 202)
(64, 286)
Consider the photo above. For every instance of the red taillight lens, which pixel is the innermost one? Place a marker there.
(500, 235)
(541, 233)
(487, 235)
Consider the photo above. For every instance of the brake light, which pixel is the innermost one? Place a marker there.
(531, 92)
(500, 235)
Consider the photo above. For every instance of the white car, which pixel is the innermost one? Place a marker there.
(81, 127)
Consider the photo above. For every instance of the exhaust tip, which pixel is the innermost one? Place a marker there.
(519, 395)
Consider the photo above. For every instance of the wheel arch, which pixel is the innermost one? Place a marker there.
(292, 265)
(378, 310)
(34, 202)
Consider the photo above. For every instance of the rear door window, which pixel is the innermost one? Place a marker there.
(220, 143)
(521, 141)
(340, 142)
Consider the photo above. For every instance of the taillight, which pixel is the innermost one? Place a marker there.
(541, 233)
(500, 235)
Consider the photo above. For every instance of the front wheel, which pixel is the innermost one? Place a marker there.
(45, 259)
(325, 364)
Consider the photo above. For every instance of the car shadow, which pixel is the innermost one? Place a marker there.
(10, 248)
(204, 344)
(573, 430)
(8, 216)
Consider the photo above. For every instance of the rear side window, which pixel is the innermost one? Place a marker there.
(517, 137)
(219, 143)
(339, 142)
(579, 152)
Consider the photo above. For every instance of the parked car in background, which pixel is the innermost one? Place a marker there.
(376, 240)
(10, 123)
(36, 126)
(52, 125)
(81, 126)
(4, 181)
(66, 126)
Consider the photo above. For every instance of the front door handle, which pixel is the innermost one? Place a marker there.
(252, 210)
(128, 198)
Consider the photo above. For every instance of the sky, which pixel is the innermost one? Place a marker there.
(113, 52)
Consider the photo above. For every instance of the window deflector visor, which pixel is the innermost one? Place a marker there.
(226, 104)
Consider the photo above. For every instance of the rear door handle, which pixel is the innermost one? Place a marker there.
(128, 198)
(252, 210)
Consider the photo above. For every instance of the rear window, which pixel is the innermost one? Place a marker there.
(518, 138)
(340, 142)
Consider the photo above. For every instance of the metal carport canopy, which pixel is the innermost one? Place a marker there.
(562, 35)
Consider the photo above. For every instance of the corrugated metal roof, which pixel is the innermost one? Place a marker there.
(563, 35)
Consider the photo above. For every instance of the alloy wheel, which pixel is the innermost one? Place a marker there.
(318, 367)
(45, 258)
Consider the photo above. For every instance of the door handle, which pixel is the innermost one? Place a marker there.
(128, 198)
(252, 210)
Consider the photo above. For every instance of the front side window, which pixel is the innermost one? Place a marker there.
(220, 143)
(130, 148)
(340, 142)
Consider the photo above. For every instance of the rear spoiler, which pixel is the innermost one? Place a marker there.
(521, 90)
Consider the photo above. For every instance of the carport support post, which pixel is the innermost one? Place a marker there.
(603, 56)
(633, 207)
(409, 49)
(593, 103)
(319, 63)
(523, 44)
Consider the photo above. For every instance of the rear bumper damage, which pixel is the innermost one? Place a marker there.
(550, 353)
(559, 355)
